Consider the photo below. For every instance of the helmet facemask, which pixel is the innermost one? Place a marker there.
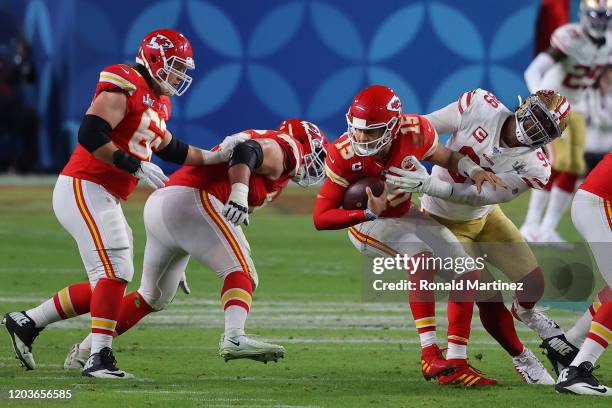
(595, 18)
(174, 68)
(370, 147)
(312, 169)
(536, 125)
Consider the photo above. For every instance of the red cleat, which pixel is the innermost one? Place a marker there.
(433, 362)
(465, 374)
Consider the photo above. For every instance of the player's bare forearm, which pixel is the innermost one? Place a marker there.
(239, 173)
(196, 156)
(273, 165)
(444, 157)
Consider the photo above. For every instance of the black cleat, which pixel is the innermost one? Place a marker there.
(560, 352)
(22, 331)
(581, 381)
(104, 365)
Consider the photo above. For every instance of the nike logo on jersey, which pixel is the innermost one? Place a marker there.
(125, 70)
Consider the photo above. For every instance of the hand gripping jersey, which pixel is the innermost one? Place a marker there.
(262, 190)
(139, 132)
(584, 63)
(599, 180)
(417, 138)
(481, 117)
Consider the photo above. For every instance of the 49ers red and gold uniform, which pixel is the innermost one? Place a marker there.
(139, 133)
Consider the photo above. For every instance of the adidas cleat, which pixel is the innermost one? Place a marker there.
(465, 374)
(560, 352)
(433, 362)
(580, 381)
(22, 331)
(104, 365)
(240, 346)
(531, 369)
(76, 358)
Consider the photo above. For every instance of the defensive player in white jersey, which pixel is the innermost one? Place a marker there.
(574, 61)
(509, 145)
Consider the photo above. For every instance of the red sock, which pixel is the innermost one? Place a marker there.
(498, 321)
(566, 181)
(237, 291)
(422, 303)
(459, 310)
(73, 300)
(601, 326)
(133, 308)
(533, 289)
(105, 305)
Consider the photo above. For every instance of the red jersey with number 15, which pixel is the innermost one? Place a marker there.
(139, 133)
(214, 179)
(416, 138)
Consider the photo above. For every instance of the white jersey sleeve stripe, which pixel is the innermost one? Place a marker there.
(117, 80)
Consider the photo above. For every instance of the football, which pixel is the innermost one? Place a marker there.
(356, 198)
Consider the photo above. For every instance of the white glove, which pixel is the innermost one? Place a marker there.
(418, 181)
(225, 150)
(236, 210)
(151, 174)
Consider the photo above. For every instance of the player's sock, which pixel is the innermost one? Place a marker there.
(499, 323)
(423, 306)
(459, 311)
(236, 297)
(560, 198)
(537, 204)
(69, 302)
(533, 289)
(105, 306)
(133, 309)
(579, 330)
(86, 343)
(598, 337)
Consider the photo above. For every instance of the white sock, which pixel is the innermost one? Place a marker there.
(579, 330)
(86, 343)
(99, 341)
(557, 204)
(537, 203)
(235, 318)
(44, 314)
(428, 338)
(456, 351)
(590, 351)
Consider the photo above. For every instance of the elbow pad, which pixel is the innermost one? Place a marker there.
(249, 153)
(93, 132)
(174, 152)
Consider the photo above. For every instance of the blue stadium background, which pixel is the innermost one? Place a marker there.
(258, 62)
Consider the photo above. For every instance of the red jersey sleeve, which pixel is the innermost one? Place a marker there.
(421, 136)
(119, 78)
(293, 152)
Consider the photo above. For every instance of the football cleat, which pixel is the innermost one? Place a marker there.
(530, 232)
(237, 345)
(560, 352)
(22, 331)
(536, 320)
(531, 369)
(76, 358)
(104, 365)
(552, 238)
(465, 374)
(433, 362)
(580, 380)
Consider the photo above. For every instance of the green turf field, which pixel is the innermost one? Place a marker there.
(341, 352)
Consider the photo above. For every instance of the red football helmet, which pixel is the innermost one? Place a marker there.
(375, 107)
(167, 55)
(314, 142)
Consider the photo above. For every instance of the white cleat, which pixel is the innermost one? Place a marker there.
(530, 232)
(238, 345)
(76, 358)
(580, 381)
(552, 238)
(536, 320)
(531, 369)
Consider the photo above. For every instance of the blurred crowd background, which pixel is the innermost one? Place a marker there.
(259, 62)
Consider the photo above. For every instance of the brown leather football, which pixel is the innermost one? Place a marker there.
(356, 198)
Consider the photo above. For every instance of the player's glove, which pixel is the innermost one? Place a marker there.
(151, 174)
(236, 210)
(417, 180)
(225, 150)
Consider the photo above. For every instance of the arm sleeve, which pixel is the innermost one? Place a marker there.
(447, 119)
(327, 212)
(536, 70)
(468, 195)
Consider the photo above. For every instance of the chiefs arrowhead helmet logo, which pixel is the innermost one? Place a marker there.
(394, 104)
(160, 42)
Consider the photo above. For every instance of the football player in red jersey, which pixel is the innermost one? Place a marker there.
(379, 137)
(125, 123)
(592, 217)
(199, 214)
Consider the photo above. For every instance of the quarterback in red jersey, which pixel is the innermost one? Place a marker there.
(199, 213)
(124, 125)
(380, 137)
(592, 217)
